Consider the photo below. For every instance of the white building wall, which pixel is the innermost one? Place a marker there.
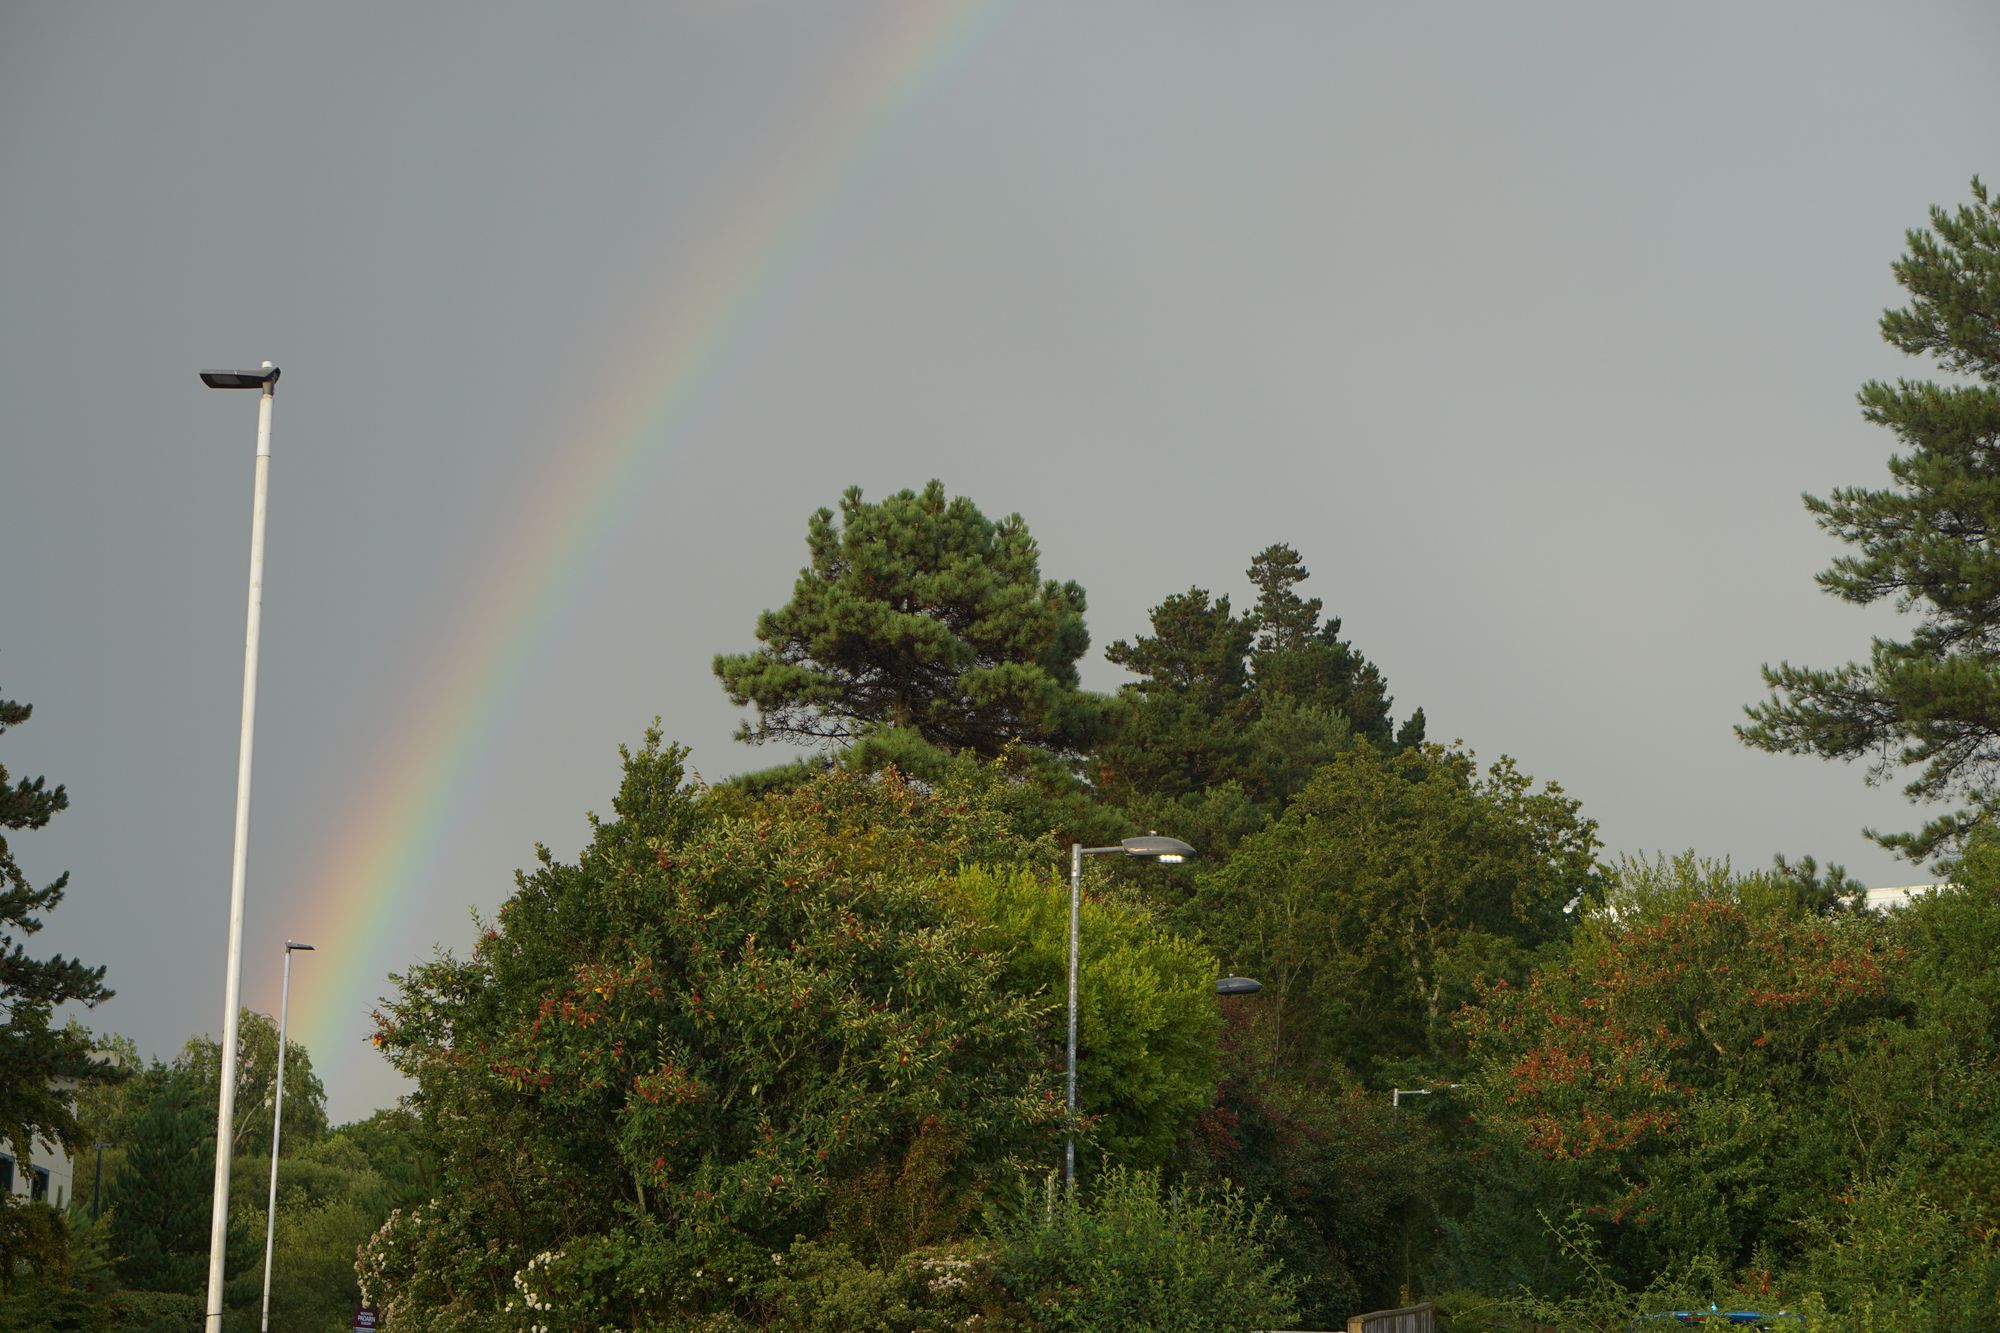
(46, 1157)
(1886, 899)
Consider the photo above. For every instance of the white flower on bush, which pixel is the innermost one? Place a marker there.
(948, 1274)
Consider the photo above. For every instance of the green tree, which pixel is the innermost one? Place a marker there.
(158, 1203)
(919, 613)
(102, 1108)
(43, 1063)
(1299, 657)
(1146, 1015)
(1387, 889)
(1186, 714)
(1925, 543)
(257, 1083)
(665, 1061)
(1134, 1253)
(1718, 1078)
(1674, 1076)
(331, 1200)
(392, 1143)
(1228, 716)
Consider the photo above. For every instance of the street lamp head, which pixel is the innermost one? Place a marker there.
(241, 379)
(1238, 986)
(1153, 847)
(292, 946)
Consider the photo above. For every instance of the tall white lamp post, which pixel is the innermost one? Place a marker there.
(277, 1121)
(265, 381)
(1153, 847)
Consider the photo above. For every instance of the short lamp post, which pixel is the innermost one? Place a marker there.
(277, 1123)
(97, 1179)
(1152, 847)
(1396, 1095)
(265, 381)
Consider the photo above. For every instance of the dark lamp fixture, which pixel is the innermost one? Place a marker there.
(240, 379)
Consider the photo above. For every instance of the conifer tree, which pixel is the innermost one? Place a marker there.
(1230, 715)
(920, 614)
(1299, 657)
(1186, 722)
(158, 1202)
(1927, 542)
(33, 1054)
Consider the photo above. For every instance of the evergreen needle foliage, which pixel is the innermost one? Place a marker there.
(1931, 701)
(921, 614)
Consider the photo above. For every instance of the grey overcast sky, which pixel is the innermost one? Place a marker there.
(1526, 324)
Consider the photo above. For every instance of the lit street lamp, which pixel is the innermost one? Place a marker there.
(265, 381)
(1153, 847)
(277, 1121)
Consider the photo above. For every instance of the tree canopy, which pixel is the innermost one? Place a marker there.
(37, 1097)
(1229, 715)
(1925, 543)
(742, 1020)
(921, 614)
(1388, 887)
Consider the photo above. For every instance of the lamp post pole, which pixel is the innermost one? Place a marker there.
(277, 1123)
(265, 381)
(1075, 943)
(1153, 847)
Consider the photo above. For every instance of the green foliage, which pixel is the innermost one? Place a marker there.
(1639, 889)
(1298, 657)
(256, 1084)
(1721, 1080)
(919, 613)
(65, 1287)
(1927, 701)
(1146, 1014)
(1389, 887)
(723, 1011)
(42, 1063)
(153, 1311)
(1672, 1072)
(1131, 1254)
(1345, 1179)
(817, 1287)
(158, 1202)
(1590, 1298)
(1228, 716)
(33, 1239)
(391, 1143)
(102, 1108)
(1183, 718)
(313, 1284)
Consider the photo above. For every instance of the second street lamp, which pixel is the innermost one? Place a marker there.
(1152, 847)
(277, 1122)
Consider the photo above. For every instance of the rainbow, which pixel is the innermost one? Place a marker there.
(381, 852)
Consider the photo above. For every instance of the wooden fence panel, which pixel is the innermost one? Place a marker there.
(1414, 1319)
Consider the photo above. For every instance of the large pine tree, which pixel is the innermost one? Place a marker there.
(39, 1062)
(1928, 542)
(1230, 714)
(919, 614)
